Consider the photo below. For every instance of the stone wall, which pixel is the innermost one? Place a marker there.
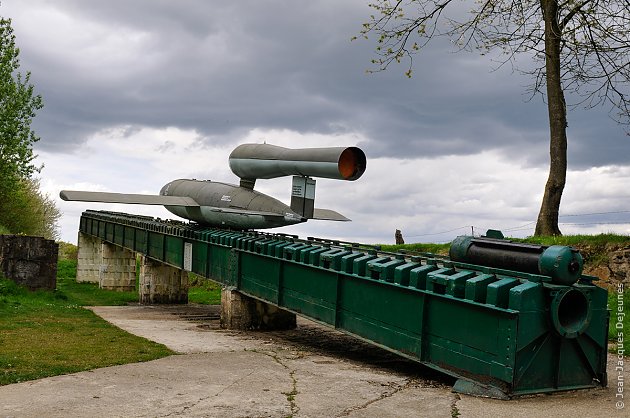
(612, 266)
(29, 261)
(619, 265)
(89, 258)
(243, 312)
(161, 283)
(117, 269)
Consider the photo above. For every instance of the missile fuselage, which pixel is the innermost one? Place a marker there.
(234, 205)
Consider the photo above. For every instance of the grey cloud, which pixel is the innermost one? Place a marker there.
(223, 68)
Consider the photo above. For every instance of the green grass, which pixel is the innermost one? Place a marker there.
(203, 291)
(48, 333)
(88, 294)
(66, 269)
(591, 244)
(619, 306)
(441, 249)
(600, 240)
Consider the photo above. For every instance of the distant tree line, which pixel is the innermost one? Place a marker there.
(24, 209)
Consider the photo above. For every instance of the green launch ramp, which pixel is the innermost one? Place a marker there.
(501, 332)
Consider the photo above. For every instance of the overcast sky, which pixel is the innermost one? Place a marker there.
(137, 93)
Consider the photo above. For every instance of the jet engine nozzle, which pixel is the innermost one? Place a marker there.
(265, 161)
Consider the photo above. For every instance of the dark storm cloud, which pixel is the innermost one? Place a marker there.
(223, 68)
(217, 70)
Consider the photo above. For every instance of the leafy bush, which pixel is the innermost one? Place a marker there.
(68, 251)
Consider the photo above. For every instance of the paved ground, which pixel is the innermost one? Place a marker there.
(308, 372)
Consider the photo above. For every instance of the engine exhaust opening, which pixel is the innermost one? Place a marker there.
(351, 163)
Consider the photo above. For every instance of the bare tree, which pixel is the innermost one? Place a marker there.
(580, 47)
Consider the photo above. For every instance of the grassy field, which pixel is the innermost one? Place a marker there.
(87, 294)
(441, 249)
(599, 240)
(203, 291)
(50, 333)
(619, 323)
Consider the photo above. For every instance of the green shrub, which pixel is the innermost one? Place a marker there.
(67, 251)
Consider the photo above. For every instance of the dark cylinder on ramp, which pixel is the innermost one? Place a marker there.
(563, 264)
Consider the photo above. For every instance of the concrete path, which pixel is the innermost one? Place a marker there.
(308, 372)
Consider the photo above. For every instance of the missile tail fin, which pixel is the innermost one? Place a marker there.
(328, 215)
(303, 201)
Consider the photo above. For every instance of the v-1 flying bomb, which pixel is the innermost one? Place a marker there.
(241, 207)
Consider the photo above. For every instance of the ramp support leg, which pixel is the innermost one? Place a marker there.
(239, 311)
(118, 268)
(89, 258)
(161, 283)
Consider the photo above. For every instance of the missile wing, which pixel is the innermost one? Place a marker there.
(126, 198)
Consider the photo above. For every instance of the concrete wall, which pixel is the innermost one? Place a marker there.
(117, 270)
(29, 261)
(89, 258)
(239, 311)
(114, 267)
(161, 283)
(111, 266)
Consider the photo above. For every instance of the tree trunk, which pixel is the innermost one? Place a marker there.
(547, 223)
